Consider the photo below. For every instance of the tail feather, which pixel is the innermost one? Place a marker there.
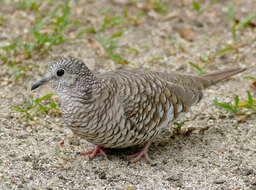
(221, 75)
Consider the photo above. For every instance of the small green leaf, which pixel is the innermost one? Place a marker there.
(126, 12)
(22, 110)
(134, 50)
(139, 14)
(116, 35)
(246, 21)
(234, 31)
(236, 103)
(250, 77)
(110, 20)
(53, 105)
(196, 6)
(224, 50)
(157, 58)
(117, 58)
(57, 150)
(204, 59)
(180, 124)
(12, 46)
(250, 100)
(159, 6)
(46, 97)
(19, 109)
(196, 67)
(225, 106)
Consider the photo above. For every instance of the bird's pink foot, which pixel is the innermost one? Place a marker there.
(93, 152)
(143, 153)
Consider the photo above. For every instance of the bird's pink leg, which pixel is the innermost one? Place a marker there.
(93, 152)
(143, 153)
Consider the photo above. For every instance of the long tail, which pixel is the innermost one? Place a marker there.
(217, 76)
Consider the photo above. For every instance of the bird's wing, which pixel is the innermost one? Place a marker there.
(151, 99)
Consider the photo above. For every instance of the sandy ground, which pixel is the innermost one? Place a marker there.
(220, 153)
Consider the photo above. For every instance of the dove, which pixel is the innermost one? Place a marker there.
(124, 108)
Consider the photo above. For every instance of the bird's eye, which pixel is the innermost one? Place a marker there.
(60, 72)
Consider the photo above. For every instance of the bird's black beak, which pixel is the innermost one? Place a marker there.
(40, 83)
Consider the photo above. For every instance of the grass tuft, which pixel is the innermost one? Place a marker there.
(110, 44)
(32, 108)
(160, 6)
(47, 31)
(238, 105)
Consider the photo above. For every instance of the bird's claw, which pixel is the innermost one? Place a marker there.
(93, 152)
(143, 153)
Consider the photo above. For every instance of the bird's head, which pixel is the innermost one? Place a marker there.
(68, 74)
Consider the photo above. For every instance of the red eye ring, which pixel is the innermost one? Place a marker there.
(60, 72)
